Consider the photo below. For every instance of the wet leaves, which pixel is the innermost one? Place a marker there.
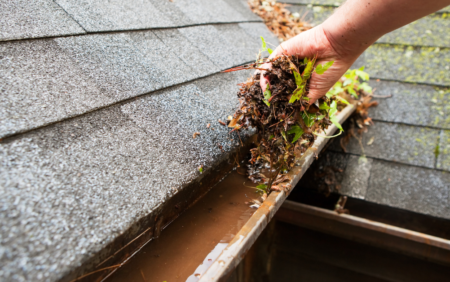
(285, 120)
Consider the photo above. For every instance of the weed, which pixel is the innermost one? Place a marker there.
(286, 122)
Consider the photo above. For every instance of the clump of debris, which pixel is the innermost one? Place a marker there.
(286, 122)
(297, 123)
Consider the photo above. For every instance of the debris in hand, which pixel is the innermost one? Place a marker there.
(286, 122)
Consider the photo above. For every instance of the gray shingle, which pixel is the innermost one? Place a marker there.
(172, 117)
(71, 188)
(50, 80)
(443, 161)
(242, 7)
(256, 30)
(206, 11)
(21, 19)
(173, 11)
(356, 177)
(187, 52)
(423, 32)
(40, 84)
(103, 15)
(412, 104)
(112, 61)
(194, 10)
(406, 63)
(237, 40)
(397, 143)
(211, 43)
(412, 188)
(223, 91)
(156, 54)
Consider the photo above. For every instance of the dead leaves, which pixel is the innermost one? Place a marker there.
(278, 19)
(286, 127)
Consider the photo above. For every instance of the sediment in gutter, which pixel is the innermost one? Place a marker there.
(244, 239)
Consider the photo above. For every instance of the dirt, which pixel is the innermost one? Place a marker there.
(192, 242)
(287, 123)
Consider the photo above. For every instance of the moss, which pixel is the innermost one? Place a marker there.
(423, 65)
(427, 31)
(441, 107)
(443, 159)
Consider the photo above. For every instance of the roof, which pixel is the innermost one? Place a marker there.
(100, 100)
(408, 156)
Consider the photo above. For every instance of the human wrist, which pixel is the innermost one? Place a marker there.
(345, 44)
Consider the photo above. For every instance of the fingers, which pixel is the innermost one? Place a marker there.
(263, 81)
(295, 46)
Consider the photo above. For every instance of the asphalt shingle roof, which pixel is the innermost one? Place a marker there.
(21, 19)
(407, 163)
(97, 120)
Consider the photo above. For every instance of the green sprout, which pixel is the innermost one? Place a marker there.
(264, 46)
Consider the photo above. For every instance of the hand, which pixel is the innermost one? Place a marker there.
(347, 33)
(308, 44)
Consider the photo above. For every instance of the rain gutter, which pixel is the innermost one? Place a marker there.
(244, 239)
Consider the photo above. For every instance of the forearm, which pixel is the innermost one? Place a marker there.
(359, 23)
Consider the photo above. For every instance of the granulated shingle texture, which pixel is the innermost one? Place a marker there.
(71, 188)
(426, 31)
(50, 80)
(237, 40)
(103, 15)
(428, 65)
(188, 53)
(356, 177)
(21, 19)
(243, 8)
(412, 104)
(208, 39)
(206, 11)
(86, 161)
(113, 62)
(416, 189)
(40, 84)
(397, 143)
(172, 11)
(157, 55)
(256, 30)
(443, 152)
